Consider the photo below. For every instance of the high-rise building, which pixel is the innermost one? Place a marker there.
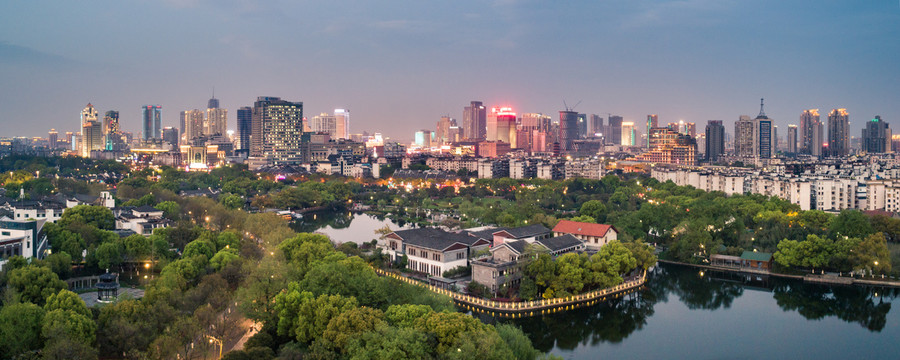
(568, 130)
(244, 121)
(715, 140)
(151, 124)
(216, 119)
(791, 139)
(774, 139)
(763, 134)
(475, 121)
(194, 124)
(614, 130)
(276, 130)
(342, 121)
(534, 131)
(91, 131)
(652, 122)
(629, 137)
(876, 137)
(170, 135)
(501, 125)
(744, 139)
(442, 133)
(838, 133)
(810, 133)
(582, 126)
(111, 132)
(596, 125)
(424, 138)
(52, 139)
(670, 147)
(324, 123)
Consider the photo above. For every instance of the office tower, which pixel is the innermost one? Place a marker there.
(424, 138)
(111, 133)
(876, 137)
(475, 121)
(596, 125)
(501, 125)
(838, 133)
(342, 119)
(324, 123)
(652, 122)
(151, 121)
(582, 126)
(670, 147)
(615, 130)
(763, 134)
(810, 132)
(792, 139)
(170, 135)
(774, 139)
(91, 131)
(744, 137)
(534, 131)
(568, 130)
(715, 140)
(442, 133)
(194, 124)
(244, 119)
(629, 137)
(689, 129)
(216, 118)
(276, 130)
(52, 139)
(454, 133)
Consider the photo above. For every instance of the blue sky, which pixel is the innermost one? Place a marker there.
(399, 65)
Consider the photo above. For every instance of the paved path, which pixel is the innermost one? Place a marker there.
(90, 298)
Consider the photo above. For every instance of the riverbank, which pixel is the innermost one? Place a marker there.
(811, 278)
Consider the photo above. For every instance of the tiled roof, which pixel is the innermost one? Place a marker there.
(146, 208)
(527, 231)
(757, 256)
(560, 242)
(580, 228)
(435, 239)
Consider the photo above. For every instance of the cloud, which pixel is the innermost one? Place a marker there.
(678, 12)
(21, 55)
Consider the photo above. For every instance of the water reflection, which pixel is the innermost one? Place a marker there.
(343, 226)
(614, 321)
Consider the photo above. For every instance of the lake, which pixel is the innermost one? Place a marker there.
(683, 313)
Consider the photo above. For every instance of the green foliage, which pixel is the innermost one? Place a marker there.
(850, 223)
(20, 329)
(67, 301)
(232, 201)
(305, 317)
(199, 247)
(97, 216)
(60, 263)
(109, 254)
(350, 324)
(518, 342)
(66, 324)
(223, 258)
(137, 247)
(303, 250)
(171, 210)
(594, 209)
(35, 284)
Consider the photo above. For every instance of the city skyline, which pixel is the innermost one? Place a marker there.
(434, 59)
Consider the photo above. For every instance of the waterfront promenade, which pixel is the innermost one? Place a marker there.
(527, 308)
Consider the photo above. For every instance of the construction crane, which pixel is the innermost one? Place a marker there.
(573, 106)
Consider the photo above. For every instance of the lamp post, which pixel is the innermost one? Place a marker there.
(214, 340)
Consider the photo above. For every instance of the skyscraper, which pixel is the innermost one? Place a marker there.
(568, 130)
(151, 121)
(194, 124)
(442, 133)
(111, 132)
(52, 139)
(838, 133)
(474, 121)
(652, 122)
(744, 139)
(582, 126)
(715, 140)
(244, 121)
(91, 131)
(342, 121)
(596, 125)
(325, 123)
(810, 133)
(792, 139)
(876, 137)
(216, 118)
(535, 132)
(276, 130)
(763, 133)
(170, 135)
(501, 125)
(629, 136)
(615, 130)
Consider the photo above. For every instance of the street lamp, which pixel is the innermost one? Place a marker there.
(213, 340)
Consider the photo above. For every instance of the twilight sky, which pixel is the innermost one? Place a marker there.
(399, 65)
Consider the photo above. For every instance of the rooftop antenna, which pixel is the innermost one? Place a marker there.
(761, 112)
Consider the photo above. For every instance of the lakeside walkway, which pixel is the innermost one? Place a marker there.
(528, 308)
(811, 278)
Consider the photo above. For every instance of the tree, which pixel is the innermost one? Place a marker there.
(390, 343)
(68, 301)
(642, 252)
(137, 247)
(60, 262)
(35, 284)
(171, 210)
(108, 255)
(851, 223)
(199, 247)
(584, 219)
(20, 329)
(232, 201)
(259, 289)
(98, 216)
(305, 317)
(405, 315)
(594, 209)
(65, 324)
(872, 253)
(350, 324)
(223, 258)
(447, 327)
(518, 342)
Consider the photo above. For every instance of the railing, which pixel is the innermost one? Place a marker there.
(522, 306)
